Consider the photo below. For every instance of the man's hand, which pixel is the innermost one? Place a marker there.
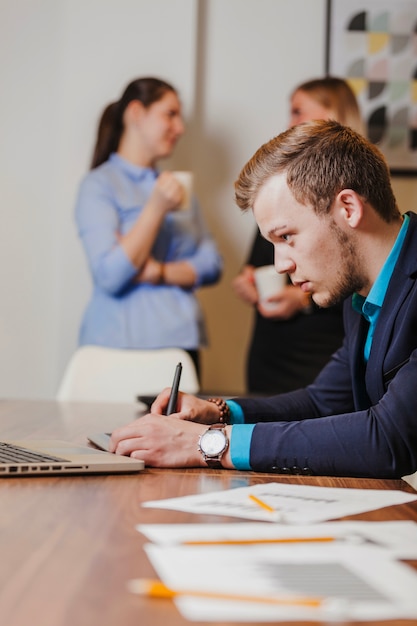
(160, 441)
(169, 441)
(188, 408)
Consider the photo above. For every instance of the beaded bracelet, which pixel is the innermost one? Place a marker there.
(223, 409)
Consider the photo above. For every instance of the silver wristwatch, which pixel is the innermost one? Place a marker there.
(212, 444)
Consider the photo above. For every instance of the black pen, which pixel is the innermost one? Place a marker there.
(172, 402)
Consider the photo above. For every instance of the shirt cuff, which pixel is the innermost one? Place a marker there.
(116, 272)
(236, 412)
(240, 441)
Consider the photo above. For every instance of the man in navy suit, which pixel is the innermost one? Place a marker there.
(321, 194)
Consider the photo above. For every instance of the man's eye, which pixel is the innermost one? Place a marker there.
(285, 237)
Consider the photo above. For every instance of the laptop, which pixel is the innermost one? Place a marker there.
(46, 457)
(100, 440)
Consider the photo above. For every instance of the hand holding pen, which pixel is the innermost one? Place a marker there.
(172, 402)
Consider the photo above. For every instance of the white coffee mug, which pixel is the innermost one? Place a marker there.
(268, 282)
(186, 179)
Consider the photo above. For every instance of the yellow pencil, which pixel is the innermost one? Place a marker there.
(242, 542)
(156, 589)
(262, 504)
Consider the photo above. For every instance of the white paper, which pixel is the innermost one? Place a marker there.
(411, 479)
(359, 583)
(397, 538)
(292, 504)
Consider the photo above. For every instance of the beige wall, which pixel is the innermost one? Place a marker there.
(234, 63)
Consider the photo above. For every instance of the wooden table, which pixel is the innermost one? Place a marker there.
(69, 544)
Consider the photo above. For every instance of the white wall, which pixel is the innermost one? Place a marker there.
(252, 59)
(234, 63)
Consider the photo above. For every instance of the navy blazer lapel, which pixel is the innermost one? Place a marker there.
(361, 398)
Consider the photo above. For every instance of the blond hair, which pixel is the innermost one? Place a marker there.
(320, 158)
(335, 95)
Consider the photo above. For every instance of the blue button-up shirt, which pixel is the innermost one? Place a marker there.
(123, 313)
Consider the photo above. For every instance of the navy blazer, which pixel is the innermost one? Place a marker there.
(355, 419)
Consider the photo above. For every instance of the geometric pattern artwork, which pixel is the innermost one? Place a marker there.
(373, 45)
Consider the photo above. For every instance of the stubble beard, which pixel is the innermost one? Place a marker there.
(350, 279)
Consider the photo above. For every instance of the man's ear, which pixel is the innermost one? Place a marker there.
(348, 208)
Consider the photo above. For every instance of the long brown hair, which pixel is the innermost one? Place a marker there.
(110, 128)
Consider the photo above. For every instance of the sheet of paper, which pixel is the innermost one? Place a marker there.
(398, 539)
(411, 479)
(358, 583)
(291, 504)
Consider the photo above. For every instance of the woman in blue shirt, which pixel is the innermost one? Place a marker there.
(146, 256)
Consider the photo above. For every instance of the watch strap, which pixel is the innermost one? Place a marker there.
(213, 464)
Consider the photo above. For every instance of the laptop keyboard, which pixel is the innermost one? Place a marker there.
(9, 453)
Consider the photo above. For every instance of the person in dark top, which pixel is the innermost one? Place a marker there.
(303, 335)
(306, 339)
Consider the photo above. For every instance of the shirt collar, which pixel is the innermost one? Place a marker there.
(135, 172)
(375, 298)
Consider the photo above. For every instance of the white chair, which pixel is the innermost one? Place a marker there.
(98, 374)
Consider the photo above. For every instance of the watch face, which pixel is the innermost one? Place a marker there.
(213, 442)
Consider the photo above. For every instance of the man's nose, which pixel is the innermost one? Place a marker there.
(283, 264)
